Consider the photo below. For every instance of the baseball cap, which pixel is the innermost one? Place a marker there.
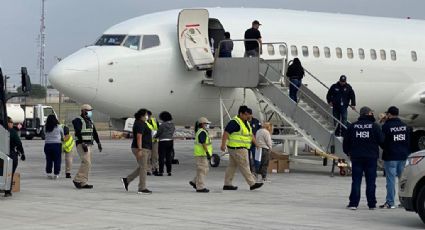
(203, 120)
(256, 22)
(365, 110)
(393, 110)
(343, 78)
(86, 107)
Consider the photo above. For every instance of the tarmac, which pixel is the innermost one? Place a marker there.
(305, 198)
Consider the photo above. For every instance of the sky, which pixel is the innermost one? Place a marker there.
(72, 24)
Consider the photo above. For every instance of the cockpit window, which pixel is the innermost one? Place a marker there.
(110, 40)
(150, 41)
(132, 42)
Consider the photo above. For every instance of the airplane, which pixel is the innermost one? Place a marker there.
(157, 61)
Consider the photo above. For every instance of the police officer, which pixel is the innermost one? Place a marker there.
(85, 134)
(202, 152)
(16, 149)
(361, 144)
(153, 157)
(255, 126)
(238, 137)
(396, 150)
(339, 97)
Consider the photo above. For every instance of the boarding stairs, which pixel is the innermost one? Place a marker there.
(311, 117)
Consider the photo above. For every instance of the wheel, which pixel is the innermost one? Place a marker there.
(420, 203)
(215, 160)
(418, 140)
(29, 137)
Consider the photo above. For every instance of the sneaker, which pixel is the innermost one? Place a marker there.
(255, 186)
(125, 183)
(169, 174)
(77, 184)
(87, 186)
(193, 184)
(230, 187)
(205, 190)
(49, 176)
(145, 191)
(386, 205)
(351, 207)
(68, 175)
(55, 177)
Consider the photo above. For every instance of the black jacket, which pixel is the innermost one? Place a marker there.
(396, 144)
(341, 95)
(295, 72)
(363, 138)
(15, 143)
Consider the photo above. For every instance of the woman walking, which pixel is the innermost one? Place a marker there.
(53, 147)
(295, 74)
(166, 145)
(264, 141)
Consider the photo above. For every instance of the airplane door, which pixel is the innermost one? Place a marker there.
(193, 39)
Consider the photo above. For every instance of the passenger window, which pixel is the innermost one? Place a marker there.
(150, 41)
(350, 53)
(327, 52)
(393, 55)
(316, 51)
(294, 51)
(132, 42)
(338, 52)
(373, 54)
(361, 53)
(270, 49)
(383, 55)
(305, 51)
(283, 50)
(414, 56)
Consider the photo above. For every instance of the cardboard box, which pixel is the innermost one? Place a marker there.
(283, 166)
(279, 156)
(273, 166)
(16, 185)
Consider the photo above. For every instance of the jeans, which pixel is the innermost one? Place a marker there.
(53, 153)
(251, 53)
(368, 166)
(393, 169)
(293, 89)
(340, 113)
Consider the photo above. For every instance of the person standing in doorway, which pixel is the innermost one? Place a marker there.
(53, 146)
(295, 74)
(361, 144)
(141, 148)
(226, 46)
(85, 134)
(253, 48)
(339, 97)
(396, 150)
(237, 139)
(202, 152)
(165, 135)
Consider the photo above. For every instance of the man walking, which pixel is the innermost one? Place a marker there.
(361, 144)
(238, 137)
(396, 150)
(339, 97)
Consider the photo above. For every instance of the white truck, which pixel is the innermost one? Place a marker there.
(35, 120)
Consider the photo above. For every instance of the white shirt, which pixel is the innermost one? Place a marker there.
(264, 139)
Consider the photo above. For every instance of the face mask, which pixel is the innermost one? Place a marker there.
(207, 126)
(89, 114)
(146, 118)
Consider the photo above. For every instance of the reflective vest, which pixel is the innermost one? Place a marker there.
(68, 145)
(199, 150)
(86, 132)
(242, 138)
(153, 127)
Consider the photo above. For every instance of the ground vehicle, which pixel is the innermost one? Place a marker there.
(5, 161)
(412, 184)
(35, 119)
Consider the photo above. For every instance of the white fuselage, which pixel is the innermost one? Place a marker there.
(118, 80)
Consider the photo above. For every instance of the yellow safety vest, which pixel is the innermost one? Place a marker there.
(199, 150)
(153, 127)
(242, 138)
(68, 145)
(86, 132)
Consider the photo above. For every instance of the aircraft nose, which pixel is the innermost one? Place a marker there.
(77, 76)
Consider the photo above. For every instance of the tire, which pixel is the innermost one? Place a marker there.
(215, 160)
(29, 137)
(420, 204)
(418, 140)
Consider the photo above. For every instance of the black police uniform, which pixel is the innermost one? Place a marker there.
(361, 143)
(340, 96)
(396, 145)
